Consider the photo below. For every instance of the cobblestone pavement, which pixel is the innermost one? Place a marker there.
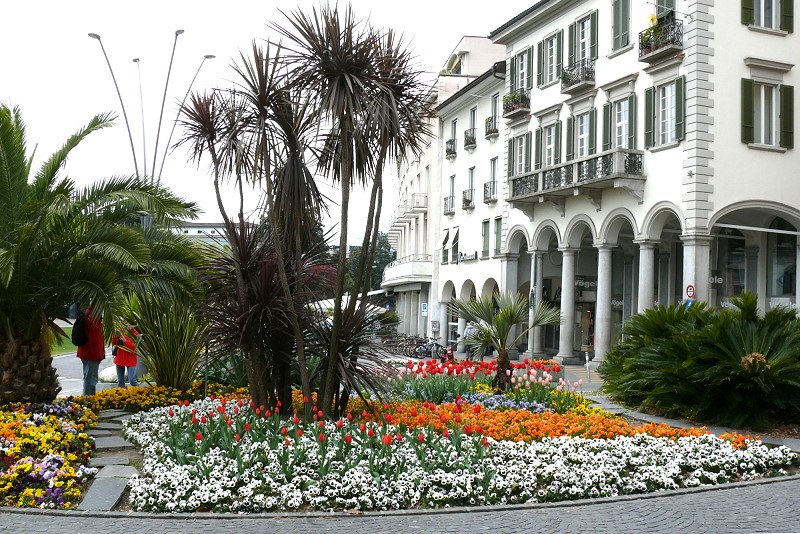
(769, 507)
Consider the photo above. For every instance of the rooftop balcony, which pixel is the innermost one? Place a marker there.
(662, 40)
(418, 203)
(516, 104)
(450, 149)
(408, 269)
(617, 168)
(578, 76)
(492, 128)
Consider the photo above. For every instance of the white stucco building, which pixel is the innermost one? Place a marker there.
(640, 163)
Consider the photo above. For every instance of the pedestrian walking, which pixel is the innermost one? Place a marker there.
(470, 331)
(125, 358)
(92, 350)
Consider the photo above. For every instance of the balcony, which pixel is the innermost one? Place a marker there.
(620, 168)
(450, 149)
(468, 199)
(516, 104)
(418, 203)
(578, 76)
(469, 139)
(662, 40)
(409, 269)
(490, 192)
(492, 128)
(449, 205)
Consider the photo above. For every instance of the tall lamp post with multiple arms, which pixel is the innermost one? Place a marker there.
(122, 105)
(163, 101)
(141, 108)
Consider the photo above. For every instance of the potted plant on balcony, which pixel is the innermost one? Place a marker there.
(512, 101)
(652, 36)
(466, 201)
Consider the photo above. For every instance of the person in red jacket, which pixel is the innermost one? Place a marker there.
(92, 352)
(125, 356)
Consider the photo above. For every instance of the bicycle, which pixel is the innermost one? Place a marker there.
(430, 348)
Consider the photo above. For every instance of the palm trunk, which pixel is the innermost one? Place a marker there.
(503, 379)
(27, 372)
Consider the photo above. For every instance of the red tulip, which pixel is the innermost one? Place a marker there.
(171, 412)
(203, 419)
(321, 424)
(213, 398)
(421, 438)
(399, 437)
(371, 433)
(299, 432)
(362, 427)
(287, 442)
(279, 404)
(198, 436)
(321, 437)
(348, 439)
(284, 431)
(339, 423)
(295, 420)
(387, 439)
(194, 420)
(237, 437)
(247, 427)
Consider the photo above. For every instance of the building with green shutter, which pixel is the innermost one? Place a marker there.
(648, 157)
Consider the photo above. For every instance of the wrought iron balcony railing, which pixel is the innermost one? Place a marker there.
(660, 40)
(516, 102)
(490, 191)
(468, 199)
(492, 127)
(469, 138)
(450, 148)
(577, 76)
(449, 205)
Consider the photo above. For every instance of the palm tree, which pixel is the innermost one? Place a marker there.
(60, 245)
(495, 318)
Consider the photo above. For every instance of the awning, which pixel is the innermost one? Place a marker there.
(444, 241)
(454, 241)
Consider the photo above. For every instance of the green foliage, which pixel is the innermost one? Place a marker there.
(173, 336)
(230, 371)
(436, 388)
(731, 367)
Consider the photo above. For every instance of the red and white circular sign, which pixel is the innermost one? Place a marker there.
(690, 291)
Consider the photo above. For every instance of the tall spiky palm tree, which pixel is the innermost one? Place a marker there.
(495, 318)
(60, 244)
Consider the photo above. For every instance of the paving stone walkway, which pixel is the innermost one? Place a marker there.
(771, 507)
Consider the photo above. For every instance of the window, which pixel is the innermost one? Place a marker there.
(493, 169)
(495, 106)
(519, 152)
(486, 235)
(444, 246)
(582, 135)
(766, 113)
(666, 114)
(621, 123)
(453, 185)
(621, 14)
(522, 71)
(766, 13)
(453, 128)
(454, 246)
(550, 50)
(471, 178)
(473, 117)
(550, 145)
(781, 261)
(583, 50)
(498, 235)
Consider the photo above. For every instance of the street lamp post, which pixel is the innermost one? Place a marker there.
(164, 99)
(119, 95)
(177, 116)
(141, 107)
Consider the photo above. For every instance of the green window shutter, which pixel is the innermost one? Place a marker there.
(625, 23)
(485, 232)
(510, 158)
(787, 116)
(529, 59)
(559, 53)
(570, 139)
(616, 16)
(528, 152)
(608, 115)
(498, 235)
(557, 157)
(540, 64)
(748, 12)
(632, 121)
(571, 45)
(680, 108)
(538, 159)
(649, 116)
(748, 112)
(787, 15)
(512, 69)
(593, 43)
(593, 131)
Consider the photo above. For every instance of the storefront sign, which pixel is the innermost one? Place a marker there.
(583, 282)
(424, 309)
(690, 291)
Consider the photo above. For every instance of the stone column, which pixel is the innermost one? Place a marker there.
(696, 265)
(602, 322)
(647, 257)
(663, 278)
(567, 331)
(422, 327)
(443, 323)
(509, 284)
(538, 332)
(413, 317)
(627, 289)
(462, 324)
(751, 269)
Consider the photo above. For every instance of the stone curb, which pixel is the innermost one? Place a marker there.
(402, 513)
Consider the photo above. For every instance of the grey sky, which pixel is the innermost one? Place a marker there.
(57, 75)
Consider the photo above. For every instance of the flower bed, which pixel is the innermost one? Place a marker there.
(222, 456)
(136, 399)
(43, 454)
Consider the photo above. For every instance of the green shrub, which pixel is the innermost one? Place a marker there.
(731, 367)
